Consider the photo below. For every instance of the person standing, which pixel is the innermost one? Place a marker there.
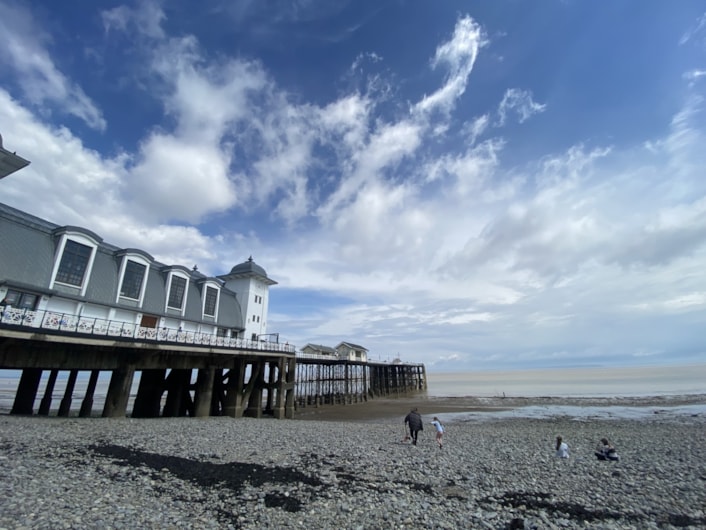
(439, 431)
(413, 421)
(562, 448)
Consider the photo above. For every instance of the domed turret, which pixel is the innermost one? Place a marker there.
(249, 269)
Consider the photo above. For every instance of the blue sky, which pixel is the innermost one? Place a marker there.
(472, 185)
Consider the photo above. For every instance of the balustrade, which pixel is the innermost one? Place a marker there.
(66, 323)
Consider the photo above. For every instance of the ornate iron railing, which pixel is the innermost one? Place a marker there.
(66, 323)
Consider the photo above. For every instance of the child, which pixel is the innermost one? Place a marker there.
(439, 431)
(562, 449)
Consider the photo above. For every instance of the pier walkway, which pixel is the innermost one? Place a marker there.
(180, 373)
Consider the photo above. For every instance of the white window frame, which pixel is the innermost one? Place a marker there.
(179, 274)
(217, 287)
(121, 276)
(82, 240)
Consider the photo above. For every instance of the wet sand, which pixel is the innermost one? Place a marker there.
(389, 408)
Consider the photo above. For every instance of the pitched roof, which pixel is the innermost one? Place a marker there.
(351, 345)
(319, 347)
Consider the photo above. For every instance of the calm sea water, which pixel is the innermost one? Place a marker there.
(572, 382)
(568, 382)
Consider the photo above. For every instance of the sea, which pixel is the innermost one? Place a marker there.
(572, 382)
(640, 381)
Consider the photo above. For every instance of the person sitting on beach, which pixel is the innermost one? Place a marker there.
(562, 449)
(414, 421)
(606, 451)
(439, 431)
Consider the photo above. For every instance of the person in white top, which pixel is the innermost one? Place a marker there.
(439, 431)
(562, 449)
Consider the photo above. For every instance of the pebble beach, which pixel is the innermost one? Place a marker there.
(320, 472)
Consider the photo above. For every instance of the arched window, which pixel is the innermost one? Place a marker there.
(76, 252)
(134, 269)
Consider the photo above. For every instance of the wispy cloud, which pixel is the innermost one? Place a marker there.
(696, 33)
(23, 49)
(519, 102)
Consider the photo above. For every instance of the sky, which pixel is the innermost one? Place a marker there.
(473, 185)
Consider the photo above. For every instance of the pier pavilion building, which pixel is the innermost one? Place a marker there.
(71, 301)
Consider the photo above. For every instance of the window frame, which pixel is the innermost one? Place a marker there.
(79, 239)
(139, 260)
(170, 278)
(21, 296)
(217, 289)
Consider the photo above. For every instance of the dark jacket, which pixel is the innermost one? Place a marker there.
(415, 421)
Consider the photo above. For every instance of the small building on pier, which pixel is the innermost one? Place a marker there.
(352, 352)
(318, 350)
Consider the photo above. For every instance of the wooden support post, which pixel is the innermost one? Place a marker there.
(149, 394)
(45, 405)
(253, 390)
(233, 403)
(204, 392)
(279, 407)
(87, 403)
(178, 398)
(65, 405)
(272, 377)
(218, 393)
(290, 386)
(118, 393)
(346, 383)
(26, 391)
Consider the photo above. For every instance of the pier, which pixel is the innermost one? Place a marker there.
(322, 381)
(180, 373)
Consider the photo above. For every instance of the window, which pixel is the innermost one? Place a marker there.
(211, 299)
(20, 300)
(74, 262)
(132, 280)
(176, 292)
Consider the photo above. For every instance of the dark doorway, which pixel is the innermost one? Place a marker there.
(149, 321)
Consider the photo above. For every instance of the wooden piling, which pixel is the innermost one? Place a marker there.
(45, 404)
(27, 391)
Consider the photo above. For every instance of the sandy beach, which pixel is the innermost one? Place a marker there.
(324, 473)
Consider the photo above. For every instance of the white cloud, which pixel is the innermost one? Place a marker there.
(696, 32)
(178, 180)
(521, 103)
(476, 128)
(459, 55)
(146, 19)
(694, 75)
(387, 147)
